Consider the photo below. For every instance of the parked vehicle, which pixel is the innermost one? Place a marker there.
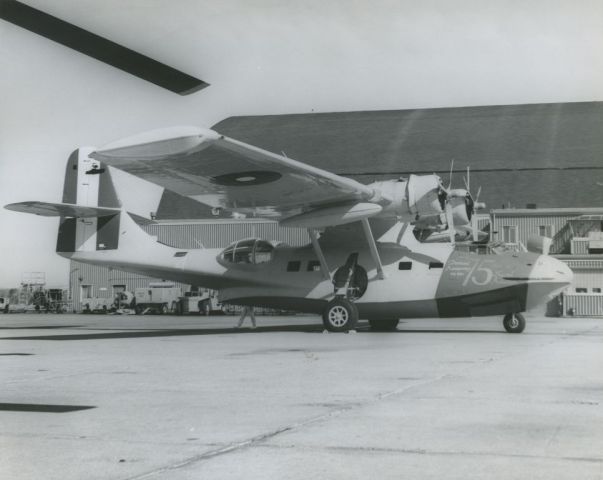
(161, 297)
(4, 303)
(202, 302)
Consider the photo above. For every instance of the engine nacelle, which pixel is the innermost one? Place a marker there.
(424, 193)
(460, 211)
(417, 199)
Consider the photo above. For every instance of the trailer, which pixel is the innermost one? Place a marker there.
(158, 297)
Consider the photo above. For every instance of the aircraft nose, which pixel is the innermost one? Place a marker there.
(552, 270)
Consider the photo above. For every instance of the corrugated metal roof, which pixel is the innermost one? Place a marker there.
(518, 153)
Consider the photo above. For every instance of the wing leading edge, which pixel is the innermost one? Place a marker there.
(225, 173)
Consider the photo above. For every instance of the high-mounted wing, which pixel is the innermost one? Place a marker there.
(226, 173)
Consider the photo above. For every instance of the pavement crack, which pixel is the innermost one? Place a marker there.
(259, 439)
(235, 446)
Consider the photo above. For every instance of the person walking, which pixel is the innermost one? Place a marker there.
(247, 311)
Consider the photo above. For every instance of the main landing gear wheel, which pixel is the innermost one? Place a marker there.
(340, 315)
(383, 324)
(514, 322)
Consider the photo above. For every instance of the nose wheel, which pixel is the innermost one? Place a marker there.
(340, 315)
(514, 322)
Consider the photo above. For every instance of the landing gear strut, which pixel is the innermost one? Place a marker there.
(340, 315)
(514, 322)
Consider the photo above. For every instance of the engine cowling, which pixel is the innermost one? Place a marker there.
(425, 195)
(420, 198)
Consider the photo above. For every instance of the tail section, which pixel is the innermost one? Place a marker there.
(91, 210)
(88, 184)
(98, 198)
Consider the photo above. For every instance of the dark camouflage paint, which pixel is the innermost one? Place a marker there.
(475, 285)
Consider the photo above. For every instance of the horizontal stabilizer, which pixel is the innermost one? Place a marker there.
(61, 210)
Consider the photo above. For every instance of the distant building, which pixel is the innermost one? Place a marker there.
(577, 235)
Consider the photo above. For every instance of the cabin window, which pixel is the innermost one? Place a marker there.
(510, 234)
(435, 265)
(404, 265)
(313, 266)
(250, 250)
(180, 254)
(293, 266)
(262, 252)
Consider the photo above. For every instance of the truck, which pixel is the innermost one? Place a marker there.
(158, 297)
(202, 302)
(4, 302)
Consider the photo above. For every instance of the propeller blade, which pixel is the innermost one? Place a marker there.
(450, 222)
(468, 184)
(450, 177)
(474, 231)
(99, 48)
(479, 190)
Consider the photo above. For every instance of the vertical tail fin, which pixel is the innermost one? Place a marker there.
(88, 184)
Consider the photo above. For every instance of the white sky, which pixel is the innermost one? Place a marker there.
(265, 57)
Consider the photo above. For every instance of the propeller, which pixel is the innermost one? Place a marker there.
(473, 205)
(99, 48)
(463, 196)
(450, 222)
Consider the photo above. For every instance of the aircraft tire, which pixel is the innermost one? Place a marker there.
(514, 322)
(383, 324)
(340, 315)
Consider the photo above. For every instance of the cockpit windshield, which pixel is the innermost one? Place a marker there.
(249, 250)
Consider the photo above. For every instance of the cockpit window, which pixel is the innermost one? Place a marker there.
(249, 250)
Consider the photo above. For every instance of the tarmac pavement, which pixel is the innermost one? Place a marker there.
(164, 397)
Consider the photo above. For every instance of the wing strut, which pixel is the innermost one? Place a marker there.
(324, 268)
(373, 246)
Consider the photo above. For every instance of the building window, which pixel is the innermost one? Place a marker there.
(581, 290)
(596, 290)
(404, 265)
(313, 266)
(510, 234)
(545, 231)
(293, 266)
(86, 291)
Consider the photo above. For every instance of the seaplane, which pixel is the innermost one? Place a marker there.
(362, 260)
